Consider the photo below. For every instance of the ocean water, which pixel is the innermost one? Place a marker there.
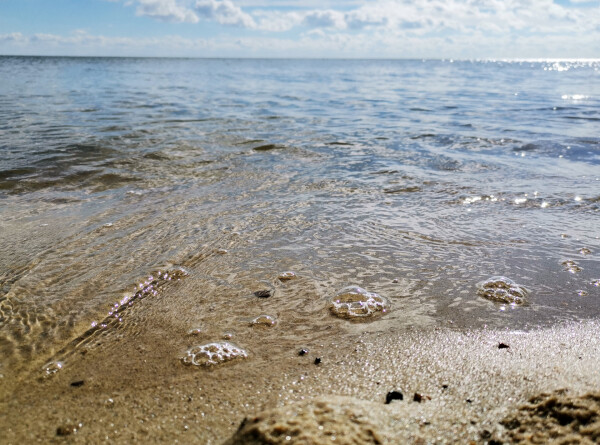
(415, 180)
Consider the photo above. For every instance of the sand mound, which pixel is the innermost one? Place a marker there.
(557, 418)
(324, 420)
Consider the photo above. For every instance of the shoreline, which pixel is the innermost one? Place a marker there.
(468, 385)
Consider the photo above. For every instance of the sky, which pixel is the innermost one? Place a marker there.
(459, 29)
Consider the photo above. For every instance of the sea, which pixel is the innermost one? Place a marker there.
(209, 196)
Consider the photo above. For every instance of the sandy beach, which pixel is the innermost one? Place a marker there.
(182, 243)
(458, 386)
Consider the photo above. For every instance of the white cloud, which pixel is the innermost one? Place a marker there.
(377, 28)
(325, 19)
(166, 10)
(13, 37)
(417, 16)
(224, 12)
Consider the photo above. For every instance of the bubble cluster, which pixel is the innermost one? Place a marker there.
(287, 275)
(212, 354)
(502, 290)
(175, 273)
(264, 320)
(584, 251)
(355, 302)
(571, 266)
(51, 368)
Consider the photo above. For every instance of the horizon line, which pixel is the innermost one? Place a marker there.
(440, 59)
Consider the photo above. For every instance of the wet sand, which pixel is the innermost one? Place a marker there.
(471, 385)
(394, 176)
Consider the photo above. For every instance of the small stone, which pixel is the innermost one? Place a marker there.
(393, 395)
(503, 346)
(585, 251)
(302, 352)
(395, 280)
(317, 361)
(265, 293)
(221, 251)
(77, 383)
(66, 430)
(420, 397)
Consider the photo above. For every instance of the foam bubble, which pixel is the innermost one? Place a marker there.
(52, 368)
(175, 273)
(287, 275)
(571, 266)
(355, 302)
(212, 354)
(264, 320)
(502, 290)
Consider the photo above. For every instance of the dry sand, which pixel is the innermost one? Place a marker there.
(470, 390)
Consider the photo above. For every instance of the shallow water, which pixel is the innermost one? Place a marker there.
(415, 180)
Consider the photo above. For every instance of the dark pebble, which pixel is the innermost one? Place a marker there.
(262, 293)
(393, 395)
(317, 360)
(420, 397)
(469, 401)
(444, 386)
(77, 383)
(503, 346)
(303, 352)
(65, 430)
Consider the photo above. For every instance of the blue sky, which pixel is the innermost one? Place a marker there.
(310, 28)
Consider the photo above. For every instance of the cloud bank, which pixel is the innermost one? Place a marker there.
(376, 28)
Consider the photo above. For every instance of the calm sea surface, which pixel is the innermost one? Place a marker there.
(413, 179)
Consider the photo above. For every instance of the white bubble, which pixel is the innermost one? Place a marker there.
(571, 266)
(502, 290)
(264, 320)
(355, 302)
(287, 275)
(52, 368)
(213, 354)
